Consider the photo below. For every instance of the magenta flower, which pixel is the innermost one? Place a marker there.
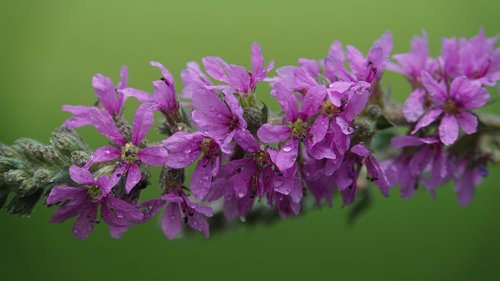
(368, 69)
(179, 208)
(129, 153)
(477, 58)
(237, 182)
(454, 104)
(110, 98)
(85, 201)
(221, 119)
(163, 98)
(417, 60)
(194, 80)
(347, 174)
(467, 177)
(238, 79)
(184, 148)
(424, 155)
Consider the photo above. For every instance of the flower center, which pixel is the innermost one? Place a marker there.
(299, 128)
(450, 106)
(129, 153)
(208, 146)
(329, 108)
(94, 192)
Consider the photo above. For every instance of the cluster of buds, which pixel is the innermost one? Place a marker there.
(334, 119)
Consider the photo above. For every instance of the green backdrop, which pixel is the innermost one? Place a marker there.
(49, 51)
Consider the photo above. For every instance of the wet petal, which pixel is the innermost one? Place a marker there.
(287, 155)
(171, 222)
(84, 225)
(104, 154)
(64, 193)
(183, 149)
(201, 179)
(133, 177)
(153, 155)
(273, 133)
(216, 67)
(81, 175)
(246, 140)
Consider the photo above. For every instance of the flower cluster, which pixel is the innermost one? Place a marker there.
(322, 142)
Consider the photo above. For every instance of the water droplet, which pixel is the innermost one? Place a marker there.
(287, 148)
(187, 150)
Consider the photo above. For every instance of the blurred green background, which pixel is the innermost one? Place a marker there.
(51, 49)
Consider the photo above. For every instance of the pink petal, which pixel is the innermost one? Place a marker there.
(427, 119)
(414, 105)
(153, 155)
(143, 120)
(105, 154)
(273, 133)
(468, 122)
(448, 129)
(133, 177)
(201, 178)
(216, 67)
(171, 222)
(64, 193)
(81, 175)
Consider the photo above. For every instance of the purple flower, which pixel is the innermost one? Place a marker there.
(477, 58)
(184, 148)
(467, 178)
(221, 119)
(347, 174)
(110, 97)
(194, 80)
(129, 153)
(163, 98)
(179, 208)
(85, 201)
(417, 60)
(237, 182)
(454, 104)
(419, 155)
(363, 68)
(237, 77)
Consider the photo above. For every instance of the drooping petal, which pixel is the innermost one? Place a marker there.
(171, 222)
(153, 155)
(164, 96)
(201, 179)
(143, 120)
(287, 155)
(198, 223)
(319, 128)
(84, 225)
(117, 212)
(133, 176)
(448, 129)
